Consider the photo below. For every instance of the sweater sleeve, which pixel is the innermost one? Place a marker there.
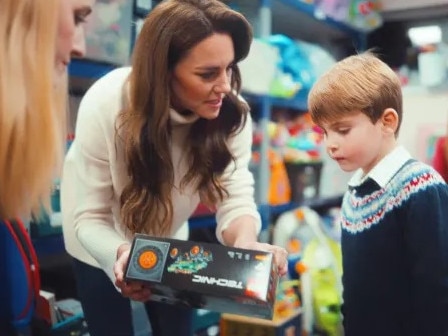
(426, 237)
(93, 218)
(239, 182)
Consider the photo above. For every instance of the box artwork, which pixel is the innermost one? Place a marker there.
(207, 276)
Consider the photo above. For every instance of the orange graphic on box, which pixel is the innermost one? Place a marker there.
(147, 259)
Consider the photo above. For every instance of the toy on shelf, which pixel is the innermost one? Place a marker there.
(279, 186)
(336, 9)
(108, 37)
(287, 300)
(294, 71)
(297, 139)
(363, 15)
(294, 158)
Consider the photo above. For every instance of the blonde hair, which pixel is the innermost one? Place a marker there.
(32, 109)
(357, 83)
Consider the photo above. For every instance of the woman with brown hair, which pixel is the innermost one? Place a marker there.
(151, 143)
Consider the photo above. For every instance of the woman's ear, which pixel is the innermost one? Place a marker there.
(390, 120)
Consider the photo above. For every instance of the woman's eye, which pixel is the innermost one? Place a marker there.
(207, 75)
(80, 14)
(343, 131)
(79, 19)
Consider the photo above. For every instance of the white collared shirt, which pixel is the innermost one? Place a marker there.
(384, 170)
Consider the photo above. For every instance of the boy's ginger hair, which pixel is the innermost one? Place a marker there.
(357, 83)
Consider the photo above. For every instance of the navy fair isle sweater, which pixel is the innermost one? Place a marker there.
(395, 251)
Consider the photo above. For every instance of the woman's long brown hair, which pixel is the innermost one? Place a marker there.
(171, 29)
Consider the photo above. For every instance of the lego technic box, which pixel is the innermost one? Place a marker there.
(203, 275)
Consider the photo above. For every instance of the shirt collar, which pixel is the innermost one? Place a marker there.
(384, 170)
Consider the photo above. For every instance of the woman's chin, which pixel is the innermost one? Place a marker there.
(60, 73)
(210, 113)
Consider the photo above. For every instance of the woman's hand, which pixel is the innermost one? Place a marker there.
(134, 290)
(280, 254)
(241, 233)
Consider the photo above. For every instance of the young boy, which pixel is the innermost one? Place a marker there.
(395, 213)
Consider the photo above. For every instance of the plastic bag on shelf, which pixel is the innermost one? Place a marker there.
(336, 9)
(294, 70)
(259, 68)
(320, 59)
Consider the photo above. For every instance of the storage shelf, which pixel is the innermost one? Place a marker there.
(140, 13)
(320, 204)
(84, 68)
(299, 102)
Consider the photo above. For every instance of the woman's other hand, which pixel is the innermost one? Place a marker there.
(242, 233)
(134, 290)
(280, 254)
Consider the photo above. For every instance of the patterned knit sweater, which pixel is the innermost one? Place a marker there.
(395, 251)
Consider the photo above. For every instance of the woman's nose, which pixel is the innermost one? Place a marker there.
(224, 85)
(79, 43)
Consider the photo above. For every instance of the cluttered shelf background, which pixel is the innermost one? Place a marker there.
(295, 41)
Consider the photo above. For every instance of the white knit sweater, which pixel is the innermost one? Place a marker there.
(95, 174)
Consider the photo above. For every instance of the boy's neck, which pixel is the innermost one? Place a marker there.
(386, 149)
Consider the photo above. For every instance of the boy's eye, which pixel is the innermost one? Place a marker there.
(343, 131)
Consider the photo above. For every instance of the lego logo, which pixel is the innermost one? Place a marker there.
(147, 260)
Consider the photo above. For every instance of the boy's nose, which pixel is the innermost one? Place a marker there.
(331, 148)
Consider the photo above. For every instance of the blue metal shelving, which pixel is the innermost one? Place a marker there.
(89, 69)
(298, 102)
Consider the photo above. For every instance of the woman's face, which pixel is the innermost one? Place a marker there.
(202, 78)
(70, 39)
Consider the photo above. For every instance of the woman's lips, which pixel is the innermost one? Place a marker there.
(215, 103)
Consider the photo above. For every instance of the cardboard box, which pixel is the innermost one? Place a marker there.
(235, 325)
(45, 307)
(207, 276)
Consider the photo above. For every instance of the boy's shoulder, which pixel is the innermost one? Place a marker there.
(415, 177)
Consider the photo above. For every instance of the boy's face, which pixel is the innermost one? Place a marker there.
(355, 142)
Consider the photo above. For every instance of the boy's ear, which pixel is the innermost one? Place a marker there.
(390, 120)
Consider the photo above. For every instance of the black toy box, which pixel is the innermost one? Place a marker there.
(208, 276)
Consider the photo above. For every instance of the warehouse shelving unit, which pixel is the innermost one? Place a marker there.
(266, 103)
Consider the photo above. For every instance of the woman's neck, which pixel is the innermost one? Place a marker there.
(182, 118)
